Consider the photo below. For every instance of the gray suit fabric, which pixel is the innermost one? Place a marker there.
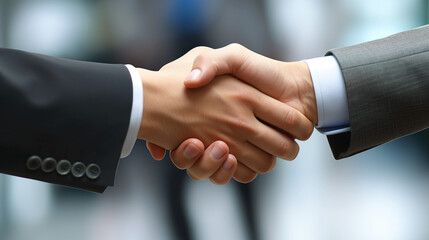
(64, 109)
(387, 85)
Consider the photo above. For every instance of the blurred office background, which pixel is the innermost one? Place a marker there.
(380, 194)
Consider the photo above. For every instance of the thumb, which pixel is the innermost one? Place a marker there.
(215, 62)
(196, 80)
(264, 74)
(203, 72)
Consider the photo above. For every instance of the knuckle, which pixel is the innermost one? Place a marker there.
(242, 124)
(200, 58)
(235, 46)
(238, 58)
(201, 49)
(284, 149)
(247, 96)
(207, 60)
(244, 95)
(268, 165)
(290, 118)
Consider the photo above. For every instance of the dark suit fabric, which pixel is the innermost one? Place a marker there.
(387, 85)
(64, 109)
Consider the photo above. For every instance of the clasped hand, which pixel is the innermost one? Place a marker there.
(236, 112)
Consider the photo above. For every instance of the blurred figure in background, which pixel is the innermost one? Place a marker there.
(205, 23)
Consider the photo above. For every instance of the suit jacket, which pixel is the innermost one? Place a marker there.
(62, 121)
(387, 85)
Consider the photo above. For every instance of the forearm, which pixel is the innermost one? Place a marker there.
(154, 124)
(387, 82)
(64, 109)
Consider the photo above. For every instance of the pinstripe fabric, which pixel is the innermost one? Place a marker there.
(387, 84)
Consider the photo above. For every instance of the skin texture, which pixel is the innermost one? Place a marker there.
(228, 116)
(288, 82)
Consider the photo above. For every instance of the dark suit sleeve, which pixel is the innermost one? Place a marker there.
(387, 85)
(65, 110)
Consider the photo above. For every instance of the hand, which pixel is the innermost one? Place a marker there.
(290, 83)
(227, 110)
(192, 151)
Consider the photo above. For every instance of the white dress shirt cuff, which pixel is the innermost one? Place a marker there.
(136, 112)
(331, 97)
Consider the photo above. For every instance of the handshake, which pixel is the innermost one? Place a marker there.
(224, 113)
(238, 110)
(227, 113)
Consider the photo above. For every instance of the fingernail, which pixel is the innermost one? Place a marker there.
(191, 151)
(217, 153)
(227, 165)
(194, 75)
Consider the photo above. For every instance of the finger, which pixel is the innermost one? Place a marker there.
(156, 151)
(212, 159)
(259, 71)
(274, 142)
(282, 116)
(244, 174)
(192, 176)
(270, 142)
(187, 153)
(225, 172)
(252, 157)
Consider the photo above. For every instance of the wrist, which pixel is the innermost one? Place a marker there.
(164, 119)
(330, 92)
(148, 126)
(305, 89)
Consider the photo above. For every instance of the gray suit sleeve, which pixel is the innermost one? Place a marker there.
(387, 85)
(56, 109)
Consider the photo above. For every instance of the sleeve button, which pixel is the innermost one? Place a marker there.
(93, 171)
(63, 167)
(34, 163)
(49, 165)
(78, 169)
